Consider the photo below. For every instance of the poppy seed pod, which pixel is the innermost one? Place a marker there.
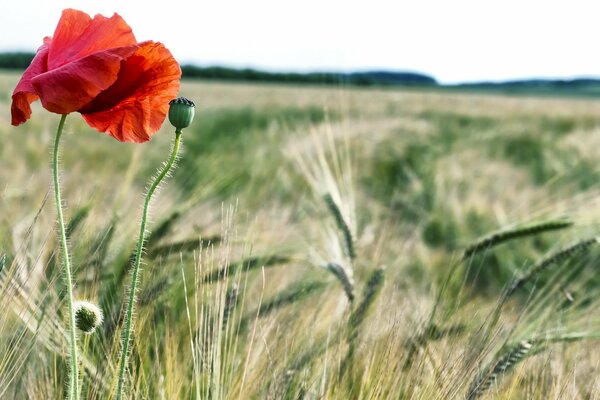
(181, 112)
(88, 316)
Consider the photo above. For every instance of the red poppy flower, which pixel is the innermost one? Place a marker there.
(97, 67)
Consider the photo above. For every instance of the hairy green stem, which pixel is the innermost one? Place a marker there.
(136, 265)
(73, 390)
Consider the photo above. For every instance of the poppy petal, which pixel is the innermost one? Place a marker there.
(72, 86)
(136, 105)
(77, 36)
(24, 94)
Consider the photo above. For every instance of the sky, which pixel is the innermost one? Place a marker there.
(454, 41)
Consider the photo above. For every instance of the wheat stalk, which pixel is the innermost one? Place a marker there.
(345, 279)
(510, 356)
(232, 297)
(370, 293)
(372, 289)
(341, 224)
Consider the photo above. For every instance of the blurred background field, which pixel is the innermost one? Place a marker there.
(417, 175)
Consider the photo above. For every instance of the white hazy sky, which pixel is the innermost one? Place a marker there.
(459, 40)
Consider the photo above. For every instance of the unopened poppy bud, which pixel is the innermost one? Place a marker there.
(88, 316)
(181, 112)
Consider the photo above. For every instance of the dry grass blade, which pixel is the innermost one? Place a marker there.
(71, 227)
(245, 265)
(501, 237)
(292, 294)
(152, 293)
(77, 219)
(163, 228)
(183, 246)
(432, 333)
(99, 248)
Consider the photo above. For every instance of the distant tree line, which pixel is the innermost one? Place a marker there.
(368, 78)
(15, 60)
(21, 60)
(576, 83)
(582, 86)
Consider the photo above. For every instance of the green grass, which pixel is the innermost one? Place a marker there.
(277, 184)
(229, 138)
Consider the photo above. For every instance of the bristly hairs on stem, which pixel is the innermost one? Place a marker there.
(73, 385)
(128, 330)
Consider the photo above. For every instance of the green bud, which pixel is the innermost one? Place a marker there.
(88, 316)
(181, 112)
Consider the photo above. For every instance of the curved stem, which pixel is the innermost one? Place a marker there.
(74, 373)
(136, 265)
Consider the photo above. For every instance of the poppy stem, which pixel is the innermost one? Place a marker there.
(136, 264)
(73, 389)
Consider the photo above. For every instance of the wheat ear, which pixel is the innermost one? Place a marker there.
(498, 238)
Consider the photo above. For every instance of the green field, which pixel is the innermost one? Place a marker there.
(287, 202)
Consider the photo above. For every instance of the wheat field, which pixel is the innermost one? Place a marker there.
(314, 243)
